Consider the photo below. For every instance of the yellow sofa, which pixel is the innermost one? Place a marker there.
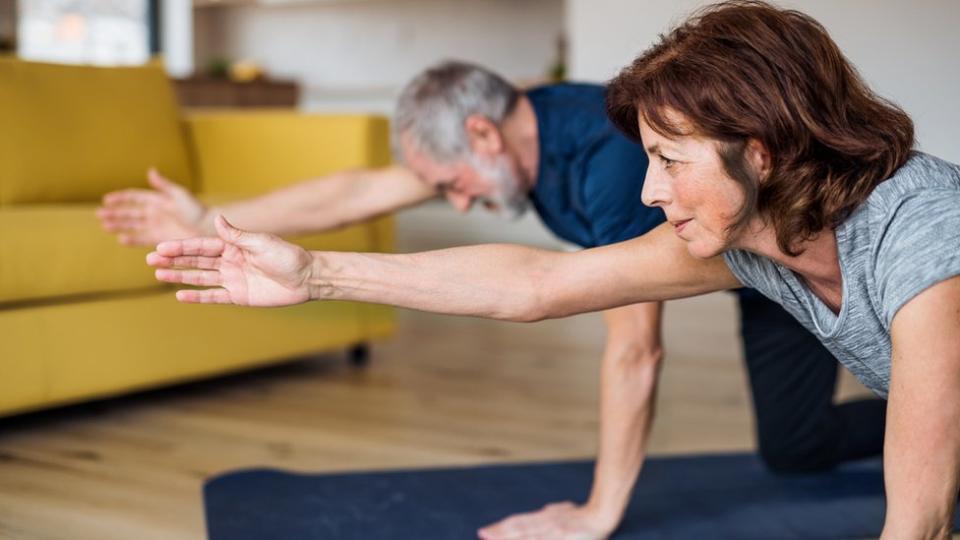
(82, 317)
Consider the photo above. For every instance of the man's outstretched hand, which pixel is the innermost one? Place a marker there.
(242, 268)
(146, 217)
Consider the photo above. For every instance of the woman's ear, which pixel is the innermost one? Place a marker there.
(483, 135)
(758, 157)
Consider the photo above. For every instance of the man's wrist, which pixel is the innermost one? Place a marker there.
(205, 226)
(606, 515)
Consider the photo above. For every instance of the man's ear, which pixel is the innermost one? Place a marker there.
(758, 157)
(484, 136)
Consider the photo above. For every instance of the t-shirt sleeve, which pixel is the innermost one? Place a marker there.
(612, 192)
(919, 246)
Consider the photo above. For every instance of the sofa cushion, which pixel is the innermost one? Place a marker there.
(60, 250)
(72, 133)
(55, 251)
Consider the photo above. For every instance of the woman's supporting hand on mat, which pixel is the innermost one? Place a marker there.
(561, 521)
(243, 268)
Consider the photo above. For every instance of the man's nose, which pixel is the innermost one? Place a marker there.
(461, 201)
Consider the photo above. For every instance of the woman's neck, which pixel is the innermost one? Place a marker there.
(817, 265)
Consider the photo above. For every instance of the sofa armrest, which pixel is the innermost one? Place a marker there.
(245, 153)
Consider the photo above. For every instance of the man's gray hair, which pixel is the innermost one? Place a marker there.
(433, 107)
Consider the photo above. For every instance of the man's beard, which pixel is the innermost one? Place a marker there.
(508, 196)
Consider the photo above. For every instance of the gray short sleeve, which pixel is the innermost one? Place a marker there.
(914, 252)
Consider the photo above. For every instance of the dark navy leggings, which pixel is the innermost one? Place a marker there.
(793, 379)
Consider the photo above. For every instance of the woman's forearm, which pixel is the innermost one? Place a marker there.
(520, 283)
(495, 281)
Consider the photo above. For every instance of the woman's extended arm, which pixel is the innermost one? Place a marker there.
(496, 281)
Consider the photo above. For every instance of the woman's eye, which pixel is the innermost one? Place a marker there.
(667, 162)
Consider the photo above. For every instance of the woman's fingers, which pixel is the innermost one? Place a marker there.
(190, 262)
(203, 278)
(244, 239)
(205, 247)
(208, 296)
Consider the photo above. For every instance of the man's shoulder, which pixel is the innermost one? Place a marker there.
(568, 91)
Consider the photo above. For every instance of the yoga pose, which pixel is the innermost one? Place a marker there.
(768, 150)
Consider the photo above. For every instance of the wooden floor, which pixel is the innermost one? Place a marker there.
(445, 391)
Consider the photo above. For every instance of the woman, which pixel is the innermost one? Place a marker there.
(777, 169)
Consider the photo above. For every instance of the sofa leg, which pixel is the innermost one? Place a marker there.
(359, 355)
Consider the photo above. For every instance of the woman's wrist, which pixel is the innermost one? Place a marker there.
(318, 279)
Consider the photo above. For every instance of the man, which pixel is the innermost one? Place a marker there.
(464, 133)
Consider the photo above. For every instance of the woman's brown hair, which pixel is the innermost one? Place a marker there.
(745, 69)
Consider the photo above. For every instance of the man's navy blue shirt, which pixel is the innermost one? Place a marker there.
(590, 175)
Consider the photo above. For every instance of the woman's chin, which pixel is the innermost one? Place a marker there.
(703, 250)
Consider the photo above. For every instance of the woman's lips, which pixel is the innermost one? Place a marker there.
(679, 225)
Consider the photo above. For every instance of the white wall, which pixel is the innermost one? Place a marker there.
(357, 55)
(176, 25)
(907, 51)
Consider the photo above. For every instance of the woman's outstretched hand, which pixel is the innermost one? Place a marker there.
(238, 267)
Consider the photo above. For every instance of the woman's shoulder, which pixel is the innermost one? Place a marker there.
(913, 231)
(922, 175)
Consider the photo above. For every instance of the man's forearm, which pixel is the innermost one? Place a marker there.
(326, 203)
(629, 377)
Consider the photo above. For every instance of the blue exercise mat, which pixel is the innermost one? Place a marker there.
(712, 496)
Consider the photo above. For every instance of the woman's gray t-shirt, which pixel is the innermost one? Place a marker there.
(902, 240)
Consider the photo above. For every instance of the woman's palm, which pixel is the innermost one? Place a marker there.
(270, 273)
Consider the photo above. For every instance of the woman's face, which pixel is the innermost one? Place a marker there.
(686, 179)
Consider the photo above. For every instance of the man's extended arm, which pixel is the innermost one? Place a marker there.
(169, 211)
(326, 203)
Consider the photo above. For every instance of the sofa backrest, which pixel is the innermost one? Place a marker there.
(72, 133)
(250, 152)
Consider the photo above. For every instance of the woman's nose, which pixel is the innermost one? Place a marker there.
(656, 191)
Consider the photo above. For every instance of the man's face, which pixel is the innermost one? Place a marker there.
(493, 181)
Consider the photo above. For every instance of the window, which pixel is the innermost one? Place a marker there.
(100, 32)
